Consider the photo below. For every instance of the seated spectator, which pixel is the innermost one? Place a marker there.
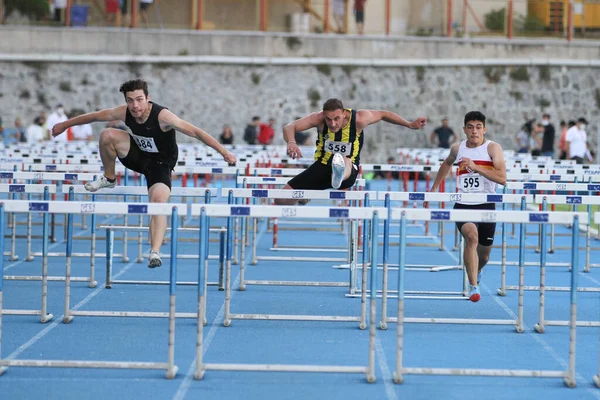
(35, 132)
(21, 135)
(226, 136)
(267, 132)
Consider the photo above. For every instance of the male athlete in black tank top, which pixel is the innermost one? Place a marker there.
(150, 149)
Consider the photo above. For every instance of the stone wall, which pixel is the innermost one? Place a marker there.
(212, 95)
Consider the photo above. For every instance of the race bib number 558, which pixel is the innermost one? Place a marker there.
(145, 143)
(338, 147)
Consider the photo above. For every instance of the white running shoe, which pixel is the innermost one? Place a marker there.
(98, 184)
(154, 259)
(338, 167)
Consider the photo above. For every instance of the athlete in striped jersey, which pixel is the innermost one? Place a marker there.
(339, 142)
(481, 167)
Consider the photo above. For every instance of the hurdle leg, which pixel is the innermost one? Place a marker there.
(44, 315)
(199, 370)
(502, 289)
(243, 260)
(52, 236)
(254, 234)
(125, 244)
(226, 318)
(29, 223)
(398, 378)
(236, 243)
(171, 368)
(110, 239)
(140, 257)
(588, 237)
(519, 326)
(539, 327)
(222, 259)
(67, 318)
(2, 214)
(363, 295)
(353, 252)
(13, 239)
(570, 379)
(551, 250)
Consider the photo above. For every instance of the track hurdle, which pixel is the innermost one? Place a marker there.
(521, 217)
(70, 208)
(540, 327)
(302, 194)
(205, 211)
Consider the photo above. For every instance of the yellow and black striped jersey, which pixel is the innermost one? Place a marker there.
(347, 141)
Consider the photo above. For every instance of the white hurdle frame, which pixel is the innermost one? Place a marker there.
(238, 193)
(205, 211)
(521, 217)
(70, 208)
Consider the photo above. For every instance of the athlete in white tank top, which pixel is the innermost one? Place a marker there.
(481, 167)
(469, 181)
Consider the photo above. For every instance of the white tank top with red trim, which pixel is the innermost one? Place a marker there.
(469, 181)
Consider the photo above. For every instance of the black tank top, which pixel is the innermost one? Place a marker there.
(153, 141)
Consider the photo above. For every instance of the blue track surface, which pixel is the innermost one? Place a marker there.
(293, 342)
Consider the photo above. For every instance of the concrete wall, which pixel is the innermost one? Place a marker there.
(104, 41)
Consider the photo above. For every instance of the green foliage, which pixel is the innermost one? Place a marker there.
(494, 20)
(529, 23)
(33, 9)
(162, 65)
(493, 74)
(543, 103)
(183, 52)
(424, 32)
(516, 95)
(520, 74)
(255, 78)
(65, 86)
(134, 69)
(293, 43)
(545, 74)
(314, 96)
(420, 70)
(348, 69)
(325, 69)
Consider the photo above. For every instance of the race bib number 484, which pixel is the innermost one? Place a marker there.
(145, 143)
(338, 147)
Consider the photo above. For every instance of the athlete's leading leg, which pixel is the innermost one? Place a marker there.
(483, 255)
(113, 143)
(158, 193)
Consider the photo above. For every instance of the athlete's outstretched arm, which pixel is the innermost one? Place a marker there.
(313, 120)
(108, 114)
(368, 117)
(169, 120)
(445, 167)
(498, 174)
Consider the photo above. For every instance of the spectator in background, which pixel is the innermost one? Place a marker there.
(58, 6)
(20, 133)
(301, 137)
(359, 15)
(1, 129)
(112, 9)
(562, 142)
(123, 7)
(144, 5)
(250, 133)
(226, 136)
(57, 116)
(535, 141)
(576, 141)
(339, 14)
(548, 137)
(445, 135)
(35, 132)
(267, 132)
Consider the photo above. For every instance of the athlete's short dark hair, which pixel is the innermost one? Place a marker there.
(474, 116)
(134, 84)
(332, 105)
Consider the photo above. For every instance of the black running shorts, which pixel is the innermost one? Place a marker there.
(318, 177)
(485, 230)
(154, 171)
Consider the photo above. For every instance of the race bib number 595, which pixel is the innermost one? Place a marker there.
(145, 143)
(338, 147)
(471, 183)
